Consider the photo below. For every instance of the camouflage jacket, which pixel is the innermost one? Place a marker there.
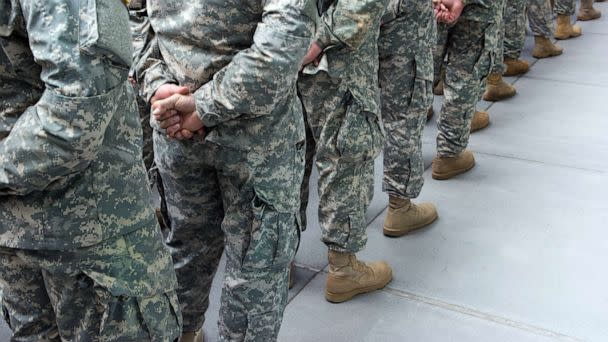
(489, 11)
(240, 58)
(71, 173)
(348, 33)
(141, 32)
(413, 30)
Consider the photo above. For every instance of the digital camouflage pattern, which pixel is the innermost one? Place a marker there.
(512, 33)
(142, 36)
(342, 105)
(540, 17)
(514, 28)
(471, 47)
(118, 290)
(241, 62)
(405, 50)
(565, 7)
(76, 229)
(70, 169)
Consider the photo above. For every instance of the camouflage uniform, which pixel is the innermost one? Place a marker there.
(342, 106)
(405, 49)
(241, 183)
(470, 46)
(565, 7)
(80, 251)
(540, 17)
(511, 35)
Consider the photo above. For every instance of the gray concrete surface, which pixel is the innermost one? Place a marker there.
(519, 250)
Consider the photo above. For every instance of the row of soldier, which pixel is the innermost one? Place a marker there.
(238, 100)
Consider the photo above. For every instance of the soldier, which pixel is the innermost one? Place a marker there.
(565, 29)
(339, 93)
(470, 45)
(540, 17)
(81, 256)
(511, 40)
(230, 70)
(405, 48)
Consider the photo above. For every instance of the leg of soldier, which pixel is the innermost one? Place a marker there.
(540, 17)
(564, 29)
(515, 30)
(470, 52)
(566, 7)
(26, 306)
(260, 194)
(118, 290)
(406, 90)
(348, 140)
(496, 88)
(195, 213)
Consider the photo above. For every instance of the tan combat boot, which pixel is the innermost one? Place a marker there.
(193, 336)
(543, 48)
(448, 167)
(587, 12)
(516, 67)
(497, 89)
(349, 277)
(565, 29)
(480, 120)
(404, 216)
(429, 114)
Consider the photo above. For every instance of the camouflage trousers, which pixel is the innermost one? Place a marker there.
(540, 17)
(512, 34)
(119, 290)
(565, 7)
(346, 140)
(246, 203)
(406, 98)
(470, 47)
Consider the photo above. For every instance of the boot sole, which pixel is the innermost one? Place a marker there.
(343, 297)
(397, 233)
(445, 176)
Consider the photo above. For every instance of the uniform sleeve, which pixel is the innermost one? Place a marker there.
(483, 3)
(84, 54)
(346, 22)
(263, 75)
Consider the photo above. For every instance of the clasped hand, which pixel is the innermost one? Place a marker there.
(175, 110)
(447, 11)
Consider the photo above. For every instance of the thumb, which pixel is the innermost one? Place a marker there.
(183, 90)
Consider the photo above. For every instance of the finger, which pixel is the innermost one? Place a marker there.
(171, 121)
(186, 134)
(172, 130)
(183, 90)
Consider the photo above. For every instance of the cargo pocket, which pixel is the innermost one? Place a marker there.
(129, 318)
(104, 31)
(360, 137)
(274, 237)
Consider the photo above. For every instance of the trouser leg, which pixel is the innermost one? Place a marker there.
(26, 306)
(260, 225)
(348, 139)
(470, 50)
(514, 28)
(565, 7)
(540, 17)
(405, 101)
(195, 213)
